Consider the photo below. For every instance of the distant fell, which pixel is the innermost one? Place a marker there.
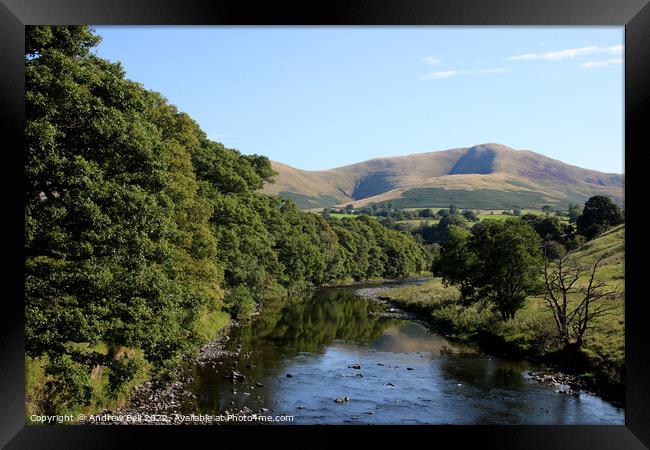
(486, 176)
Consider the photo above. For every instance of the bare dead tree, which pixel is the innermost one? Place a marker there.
(563, 280)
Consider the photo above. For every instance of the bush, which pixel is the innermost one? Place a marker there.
(240, 302)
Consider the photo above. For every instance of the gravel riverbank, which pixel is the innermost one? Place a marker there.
(158, 403)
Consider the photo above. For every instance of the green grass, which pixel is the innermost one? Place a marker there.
(342, 215)
(349, 216)
(498, 214)
(211, 322)
(494, 217)
(477, 199)
(532, 333)
(415, 223)
(441, 306)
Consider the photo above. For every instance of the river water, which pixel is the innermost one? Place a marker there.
(306, 352)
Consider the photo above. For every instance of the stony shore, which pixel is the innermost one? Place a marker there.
(158, 403)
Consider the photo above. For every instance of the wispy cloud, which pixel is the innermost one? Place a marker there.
(450, 73)
(569, 53)
(431, 61)
(603, 63)
(439, 74)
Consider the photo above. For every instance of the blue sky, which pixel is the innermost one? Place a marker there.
(322, 97)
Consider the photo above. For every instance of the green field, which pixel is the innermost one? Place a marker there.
(496, 214)
(481, 199)
(415, 223)
(494, 217)
(343, 215)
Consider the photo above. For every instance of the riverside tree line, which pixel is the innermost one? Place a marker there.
(138, 227)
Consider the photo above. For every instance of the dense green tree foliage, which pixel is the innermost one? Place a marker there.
(598, 215)
(498, 262)
(437, 233)
(117, 244)
(137, 225)
(574, 212)
(373, 251)
(556, 236)
(470, 215)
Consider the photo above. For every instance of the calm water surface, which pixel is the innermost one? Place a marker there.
(407, 375)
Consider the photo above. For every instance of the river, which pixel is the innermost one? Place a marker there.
(302, 354)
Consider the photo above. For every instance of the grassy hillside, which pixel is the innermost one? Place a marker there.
(532, 332)
(487, 176)
(306, 189)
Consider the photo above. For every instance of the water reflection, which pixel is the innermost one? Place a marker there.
(394, 371)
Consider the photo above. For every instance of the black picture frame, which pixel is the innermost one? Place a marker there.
(633, 14)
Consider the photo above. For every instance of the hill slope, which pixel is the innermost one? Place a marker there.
(487, 176)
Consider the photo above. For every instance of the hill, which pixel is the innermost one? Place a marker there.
(487, 176)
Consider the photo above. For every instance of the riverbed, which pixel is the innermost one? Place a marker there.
(333, 357)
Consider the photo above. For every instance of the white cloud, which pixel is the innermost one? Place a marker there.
(603, 63)
(569, 53)
(431, 61)
(450, 73)
(524, 57)
(439, 74)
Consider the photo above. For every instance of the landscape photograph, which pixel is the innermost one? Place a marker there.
(276, 226)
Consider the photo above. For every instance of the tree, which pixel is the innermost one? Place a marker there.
(455, 261)
(118, 248)
(548, 227)
(516, 212)
(397, 214)
(432, 233)
(425, 213)
(499, 262)
(453, 210)
(547, 209)
(599, 214)
(326, 213)
(470, 215)
(575, 297)
(136, 224)
(574, 212)
(509, 257)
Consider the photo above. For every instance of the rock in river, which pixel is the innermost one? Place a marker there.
(236, 376)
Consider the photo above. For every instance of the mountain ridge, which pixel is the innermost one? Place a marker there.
(481, 176)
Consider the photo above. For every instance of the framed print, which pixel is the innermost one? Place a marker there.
(387, 219)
